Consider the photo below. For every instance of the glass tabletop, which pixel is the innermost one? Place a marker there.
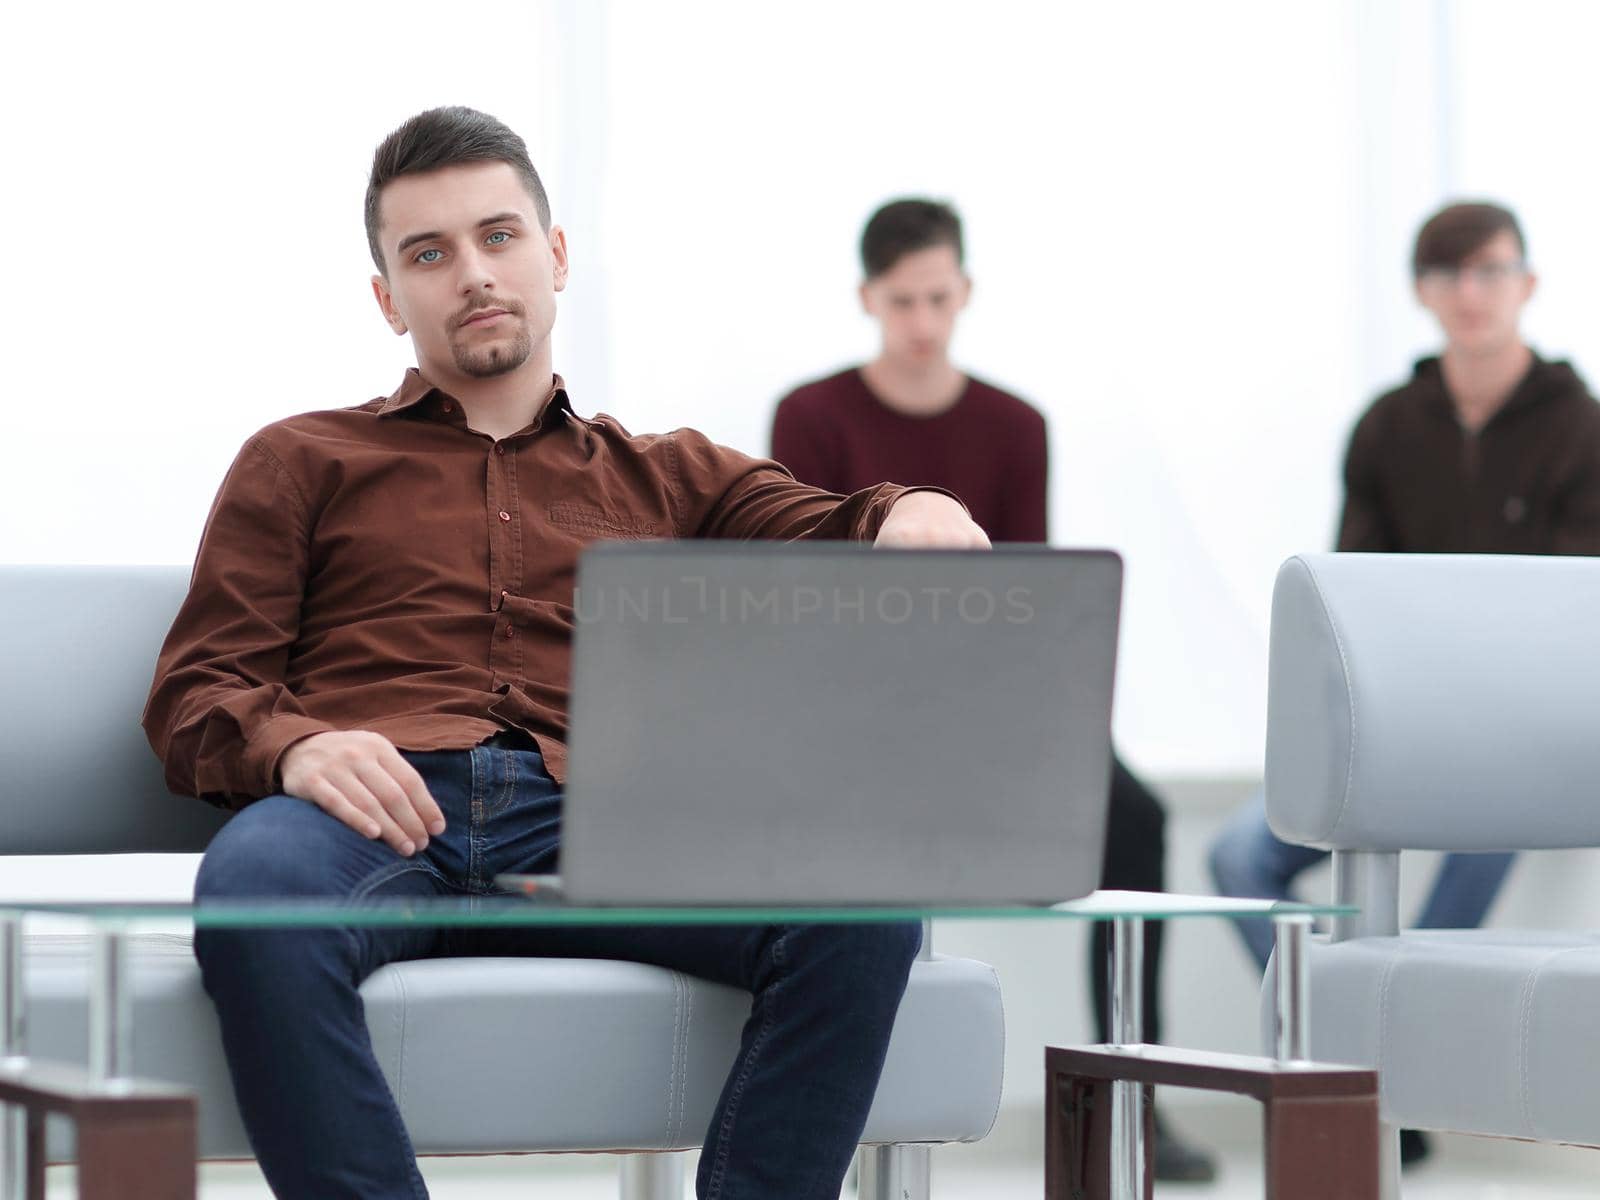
(507, 908)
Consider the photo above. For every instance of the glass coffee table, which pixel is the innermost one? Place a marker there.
(132, 1129)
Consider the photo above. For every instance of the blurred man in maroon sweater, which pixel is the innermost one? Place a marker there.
(912, 414)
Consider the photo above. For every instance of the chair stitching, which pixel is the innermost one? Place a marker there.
(400, 1028)
(1525, 1003)
(683, 1058)
(672, 1077)
(1525, 1033)
(683, 1076)
(1385, 1026)
(994, 1117)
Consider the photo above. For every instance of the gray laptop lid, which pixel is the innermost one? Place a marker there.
(778, 723)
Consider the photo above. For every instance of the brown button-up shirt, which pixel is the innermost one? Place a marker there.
(386, 568)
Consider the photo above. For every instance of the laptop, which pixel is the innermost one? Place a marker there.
(828, 724)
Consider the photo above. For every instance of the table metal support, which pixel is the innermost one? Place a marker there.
(13, 1054)
(110, 1009)
(1291, 1009)
(1128, 1159)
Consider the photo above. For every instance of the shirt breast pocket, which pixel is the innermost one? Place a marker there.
(588, 523)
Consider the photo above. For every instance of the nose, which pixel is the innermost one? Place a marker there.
(474, 274)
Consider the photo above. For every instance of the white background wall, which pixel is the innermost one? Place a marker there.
(1188, 226)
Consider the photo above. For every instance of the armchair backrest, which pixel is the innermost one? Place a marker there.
(1435, 702)
(77, 651)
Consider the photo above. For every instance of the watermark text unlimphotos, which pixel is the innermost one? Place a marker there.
(697, 598)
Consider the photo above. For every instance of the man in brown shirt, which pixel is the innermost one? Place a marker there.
(371, 666)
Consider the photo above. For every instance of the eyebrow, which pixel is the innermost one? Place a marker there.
(505, 218)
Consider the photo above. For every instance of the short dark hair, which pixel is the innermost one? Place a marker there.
(447, 137)
(903, 227)
(1457, 231)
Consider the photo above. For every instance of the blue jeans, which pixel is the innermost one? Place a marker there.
(319, 1113)
(1247, 859)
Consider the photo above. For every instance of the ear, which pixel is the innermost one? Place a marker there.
(1530, 285)
(866, 300)
(391, 314)
(966, 290)
(558, 256)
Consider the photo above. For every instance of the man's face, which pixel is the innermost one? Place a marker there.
(471, 276)
(1478, 304)
(916, 302)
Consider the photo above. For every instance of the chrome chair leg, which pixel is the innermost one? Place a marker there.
(651, 1176)
(897, 1172)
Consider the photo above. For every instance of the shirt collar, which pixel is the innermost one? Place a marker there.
(414, 389)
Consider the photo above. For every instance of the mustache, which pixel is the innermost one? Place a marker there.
(467, 314)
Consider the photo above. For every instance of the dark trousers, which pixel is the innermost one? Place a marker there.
(318, 1110)
(1135, 860)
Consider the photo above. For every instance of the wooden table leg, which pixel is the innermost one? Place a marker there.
(137, 1140)
(35, 1184)
(137, 1158)
(1321, 1119)
(1322, 1147)
(1077, 1139)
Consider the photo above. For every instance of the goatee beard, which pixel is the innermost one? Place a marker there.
(492, 361)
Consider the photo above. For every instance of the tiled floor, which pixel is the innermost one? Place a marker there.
(1461, 1169)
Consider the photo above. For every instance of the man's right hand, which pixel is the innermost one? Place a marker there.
(361, 779)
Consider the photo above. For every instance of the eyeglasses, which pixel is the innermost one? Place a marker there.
(1486, 275)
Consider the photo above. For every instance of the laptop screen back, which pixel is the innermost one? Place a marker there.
(826, 724)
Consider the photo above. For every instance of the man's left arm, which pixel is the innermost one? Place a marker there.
(725, 494)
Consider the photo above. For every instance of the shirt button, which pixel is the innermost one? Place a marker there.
(511, 631)
(499, 449)
(504, 515)
(504, 593)
(448, 407)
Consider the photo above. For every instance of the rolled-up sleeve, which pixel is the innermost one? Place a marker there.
(219, 714)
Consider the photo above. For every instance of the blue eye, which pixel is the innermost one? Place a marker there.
(497, 237)
(423, 257)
